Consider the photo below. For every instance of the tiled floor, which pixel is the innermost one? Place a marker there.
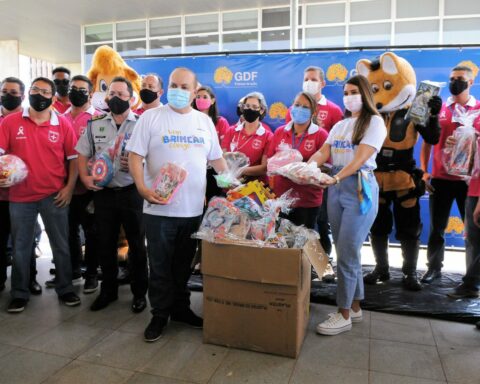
(51, 343)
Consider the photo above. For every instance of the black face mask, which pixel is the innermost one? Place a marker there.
(457, 86)
(118, 106)
(77, 98)
(10, 102)
(250, 115)
(62, 87)
(39, 103)
(148, 96)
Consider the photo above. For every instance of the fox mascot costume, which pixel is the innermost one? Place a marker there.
(393, 83)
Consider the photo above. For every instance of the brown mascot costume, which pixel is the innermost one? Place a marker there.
(393, 83)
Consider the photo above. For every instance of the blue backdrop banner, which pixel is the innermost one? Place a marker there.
(280, 76)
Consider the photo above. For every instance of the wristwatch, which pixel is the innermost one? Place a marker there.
(337, 179)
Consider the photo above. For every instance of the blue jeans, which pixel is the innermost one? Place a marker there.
(349, 230)
(23, 218)
(170, 253)
(472, 243)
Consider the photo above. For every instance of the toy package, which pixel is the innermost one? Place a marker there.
(303, 173)
(102, 169)
(255, 189)
(12, 169)
(458, 160)
(284, 156)
(476, 160)
(218, 219)
(237, 162)
(236, 159)
(418, 112)
(168, 181)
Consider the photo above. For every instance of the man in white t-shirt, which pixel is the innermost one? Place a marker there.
(179, 134)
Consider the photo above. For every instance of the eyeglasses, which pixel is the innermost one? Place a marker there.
(250, 106)
(44, 92)
(81, 90)
(13, 93)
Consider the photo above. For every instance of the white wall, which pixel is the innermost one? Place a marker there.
(9, 65)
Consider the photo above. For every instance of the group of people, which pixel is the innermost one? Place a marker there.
(60, 131)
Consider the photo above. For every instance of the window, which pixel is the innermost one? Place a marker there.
(96, 33)
(461, 31)
(165, 27)
(240, 20)
(408, 32)
(424, 8)
(132, 48)
(325, 37)
(131, 30)
(464, 7)
(326, 13)
(166, 46)
(275, 17)
(201, 23)
(276, 39)
(242, 41)
(370, 10)
(369, 34)
(196, 44)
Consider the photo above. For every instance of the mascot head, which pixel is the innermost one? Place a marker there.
(106, 64)
(392, 79)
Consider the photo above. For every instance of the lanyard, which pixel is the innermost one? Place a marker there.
(301, 139)
(237, 143)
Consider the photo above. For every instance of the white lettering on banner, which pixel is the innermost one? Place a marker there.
(245, 76)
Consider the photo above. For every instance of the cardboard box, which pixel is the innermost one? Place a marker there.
(258, 298)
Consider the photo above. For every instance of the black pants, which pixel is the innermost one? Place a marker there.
(440, 204)
(115, 207)
(304, 216)
(212, 188)
(324, 226)
(4, 236)
(170, 253)
(78, 216)
(472, 276)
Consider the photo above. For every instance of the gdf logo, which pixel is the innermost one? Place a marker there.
(245, 76)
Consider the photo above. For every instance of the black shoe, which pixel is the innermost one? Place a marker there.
(478, 325)
(377, 275)
(463, 292)
(16, 305)
(91, 285)
(431, 275)
(139, 304)
(70, 299)
(35, 288)
(50, 283)
(411, 283)
(154, 330)
(102, 301)
(187, 317)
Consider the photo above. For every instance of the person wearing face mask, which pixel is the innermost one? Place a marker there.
(61, 78)
(173, 133)
(12, 95)
(152, 90)
(46, 143)
(444, 188)
(118, 203)
(241, 119)
(80, 112)
(304, 135)
(352, 145)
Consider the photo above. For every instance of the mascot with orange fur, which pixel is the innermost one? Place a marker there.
(394, 82)
(107, 64)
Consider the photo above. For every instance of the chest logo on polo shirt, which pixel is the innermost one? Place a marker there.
(257, 144)
(53, 136)
(322, 115)
(443, 115)
(309, 145)
(21, 133)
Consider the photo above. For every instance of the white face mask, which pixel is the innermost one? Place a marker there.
(353, 103)
(311, 87)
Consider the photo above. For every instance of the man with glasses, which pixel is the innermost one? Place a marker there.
(152, 90)
(46, 143)
(61, 78)
(80, 112)
(119, 203)
(12, 94)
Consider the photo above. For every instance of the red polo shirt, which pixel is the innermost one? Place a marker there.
(3, 191)
(61, 108)
(44, 148)
(328, 114)
(264, 125)
(307, 144)
(222, 127)
(447, 129)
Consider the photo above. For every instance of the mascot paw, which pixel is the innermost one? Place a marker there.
(435, 105)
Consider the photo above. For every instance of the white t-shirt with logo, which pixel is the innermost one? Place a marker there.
(340, 139)
(189, 140)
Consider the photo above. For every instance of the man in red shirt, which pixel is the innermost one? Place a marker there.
(444, 188)
(152, 90)
(61, 78)
(45, 142)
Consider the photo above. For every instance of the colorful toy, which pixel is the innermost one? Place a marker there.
(218, 219)
(169, 180)
(12, 169)
(255, 189)
(102, 169)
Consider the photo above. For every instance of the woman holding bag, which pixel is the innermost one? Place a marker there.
(352, 144)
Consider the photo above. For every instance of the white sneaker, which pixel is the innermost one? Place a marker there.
(356, 317)
(334, 325)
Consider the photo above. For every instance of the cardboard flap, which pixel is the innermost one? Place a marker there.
(316, 255)
(263, 265)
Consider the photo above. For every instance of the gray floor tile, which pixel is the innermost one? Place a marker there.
(186, 361)
(328, 374)
(19, 329)
(29, 367)
(85, 373)
(250, 367)
(112, 317)
(143, 378)
(123, 350)
(68, 339)
(136, 324)
(401, 328)
(450, 334)
(343, 350)
(404, 359)
(6, 349)
(387, 378)
(462, 365)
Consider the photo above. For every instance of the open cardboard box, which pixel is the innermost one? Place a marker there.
(258, 298)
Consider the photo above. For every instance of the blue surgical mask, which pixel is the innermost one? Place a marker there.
(178, 98)
(300, 115)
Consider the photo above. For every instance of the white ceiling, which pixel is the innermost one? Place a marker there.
(51, 29)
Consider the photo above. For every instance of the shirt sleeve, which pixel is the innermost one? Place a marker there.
(4, 137)
(322, 137)
(225, 144)
(84, 146)
(337, 115)
(268, 141)
(272, 147)
(222, 129)
(375, 134)
(140, 139)
(70, 141)
(332, 133)
(215, 149)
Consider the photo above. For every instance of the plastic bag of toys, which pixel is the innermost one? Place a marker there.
(283, 204)
(303, 173)
(419, 111)
(458, 159)
(221, 214)
(476, 160)
(236, 159)
(284, 156)
(237, 162)
(249, 207)
(12, 169)
(264, 228)
(168, 181)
